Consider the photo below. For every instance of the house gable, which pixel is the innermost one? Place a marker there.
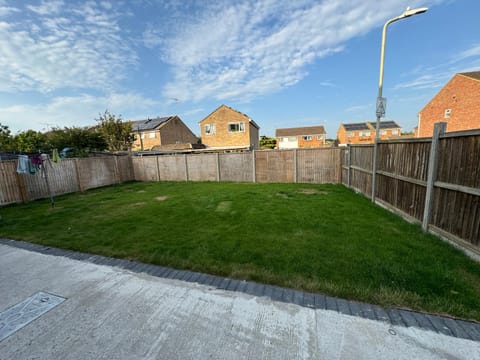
(457, 104)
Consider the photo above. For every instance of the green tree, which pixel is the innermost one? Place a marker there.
(118, 135)
(6, 139)
(82, 140)
(30, 141)
(267, 142)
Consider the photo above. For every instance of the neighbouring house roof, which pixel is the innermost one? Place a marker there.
(473, 74)
(150, 124)
(370, 125)
(228, 107)
(356, 126)
(307, 130)
(385, 124)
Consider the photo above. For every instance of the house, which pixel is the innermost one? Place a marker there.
(301, 137)
(457, 104)
(364, 132)
(161, 131)
(226, 128)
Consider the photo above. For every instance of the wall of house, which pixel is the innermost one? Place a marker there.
(222, 137)
(176, 132)
(356, 139)
(461, 95)
(314, 143)
(148, 142)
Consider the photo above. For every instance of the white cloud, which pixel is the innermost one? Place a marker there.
(80, 48)
(81, 110)
(244, 49)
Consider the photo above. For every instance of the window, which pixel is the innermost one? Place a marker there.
(383, 132)
(236, 127)
(395, 132)
(307, 137)
(364, 133)
(210, 129)
(319, 137)
(142, 136)
(350, 134)
(151, 135)
(447, 114)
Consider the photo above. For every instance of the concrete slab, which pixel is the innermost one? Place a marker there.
(114, 313)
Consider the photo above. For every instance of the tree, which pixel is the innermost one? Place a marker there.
(267, 143)
(118, 135)
(5, 138)
(30, 141)
(82, 140)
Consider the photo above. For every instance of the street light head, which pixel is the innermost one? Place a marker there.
(411, 12)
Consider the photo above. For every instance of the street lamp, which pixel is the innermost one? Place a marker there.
(380, 100)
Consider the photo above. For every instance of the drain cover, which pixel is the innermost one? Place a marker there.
(24, 313)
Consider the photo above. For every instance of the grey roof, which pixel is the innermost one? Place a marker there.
(308, 130)
(356, 126)
(149, 124)
(386, 124)
(473, 74)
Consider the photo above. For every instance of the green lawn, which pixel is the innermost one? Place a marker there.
(321, 238)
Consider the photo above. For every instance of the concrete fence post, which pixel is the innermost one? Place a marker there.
(295, 166)
(186, 166)
(218, 167)
(158, 169)
(438, 130)
(254, 167)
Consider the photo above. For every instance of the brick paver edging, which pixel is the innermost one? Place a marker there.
(440, 324)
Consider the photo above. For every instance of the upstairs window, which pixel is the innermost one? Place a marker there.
(210, 129)
(236, 127)
(151, 135)
(395, 132)
(319, 137)
(364, 133)
(307, 137)
(351, 134)
(447, 113)
(383, 132)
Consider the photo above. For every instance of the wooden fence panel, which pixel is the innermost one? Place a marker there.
(274, 166)
(9, 184)
(237, 167)
(172, 168)
(318, 166)
(361, 168)
(202, 167)
(96, 172)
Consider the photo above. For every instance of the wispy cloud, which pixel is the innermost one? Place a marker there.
(244, 49)
(81, 110)
(58, 45)
(436, 76)
(359, 108)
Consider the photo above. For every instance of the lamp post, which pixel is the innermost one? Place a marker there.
(380, 100)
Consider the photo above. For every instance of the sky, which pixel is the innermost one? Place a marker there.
(283, 63)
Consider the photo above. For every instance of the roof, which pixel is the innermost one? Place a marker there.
(369, 125)
(356, 126)
(473, 74)
(228, 107)
(150, 124)
(385, 124)
(308, 130)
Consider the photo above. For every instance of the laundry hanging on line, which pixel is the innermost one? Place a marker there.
(28, 165)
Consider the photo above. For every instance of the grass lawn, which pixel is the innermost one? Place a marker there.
(321, 238)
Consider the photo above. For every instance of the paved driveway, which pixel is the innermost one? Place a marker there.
(114, 313)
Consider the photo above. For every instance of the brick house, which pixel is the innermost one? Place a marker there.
(301, 137)
(229, 128)
(364, 132)
(161, 131)
(457, 104)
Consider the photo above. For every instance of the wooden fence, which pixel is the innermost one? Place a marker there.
(70, 175)
(306, 165)
(432, 181)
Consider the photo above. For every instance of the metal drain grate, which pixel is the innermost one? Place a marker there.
(22, 314)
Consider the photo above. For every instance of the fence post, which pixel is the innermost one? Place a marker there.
(186, 167)
(218, 167)
(438, 130)
(374, 168)
(254, 169)
(21, 186)
(349, 169)
(79, 178)
(295, 170)
(158, 169)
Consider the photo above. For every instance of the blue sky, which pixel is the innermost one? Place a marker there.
(284, 63)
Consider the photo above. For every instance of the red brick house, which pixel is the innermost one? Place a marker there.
(301, 137)
(457, 104)
(226, 128)
(364, 132)
(160, 132)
